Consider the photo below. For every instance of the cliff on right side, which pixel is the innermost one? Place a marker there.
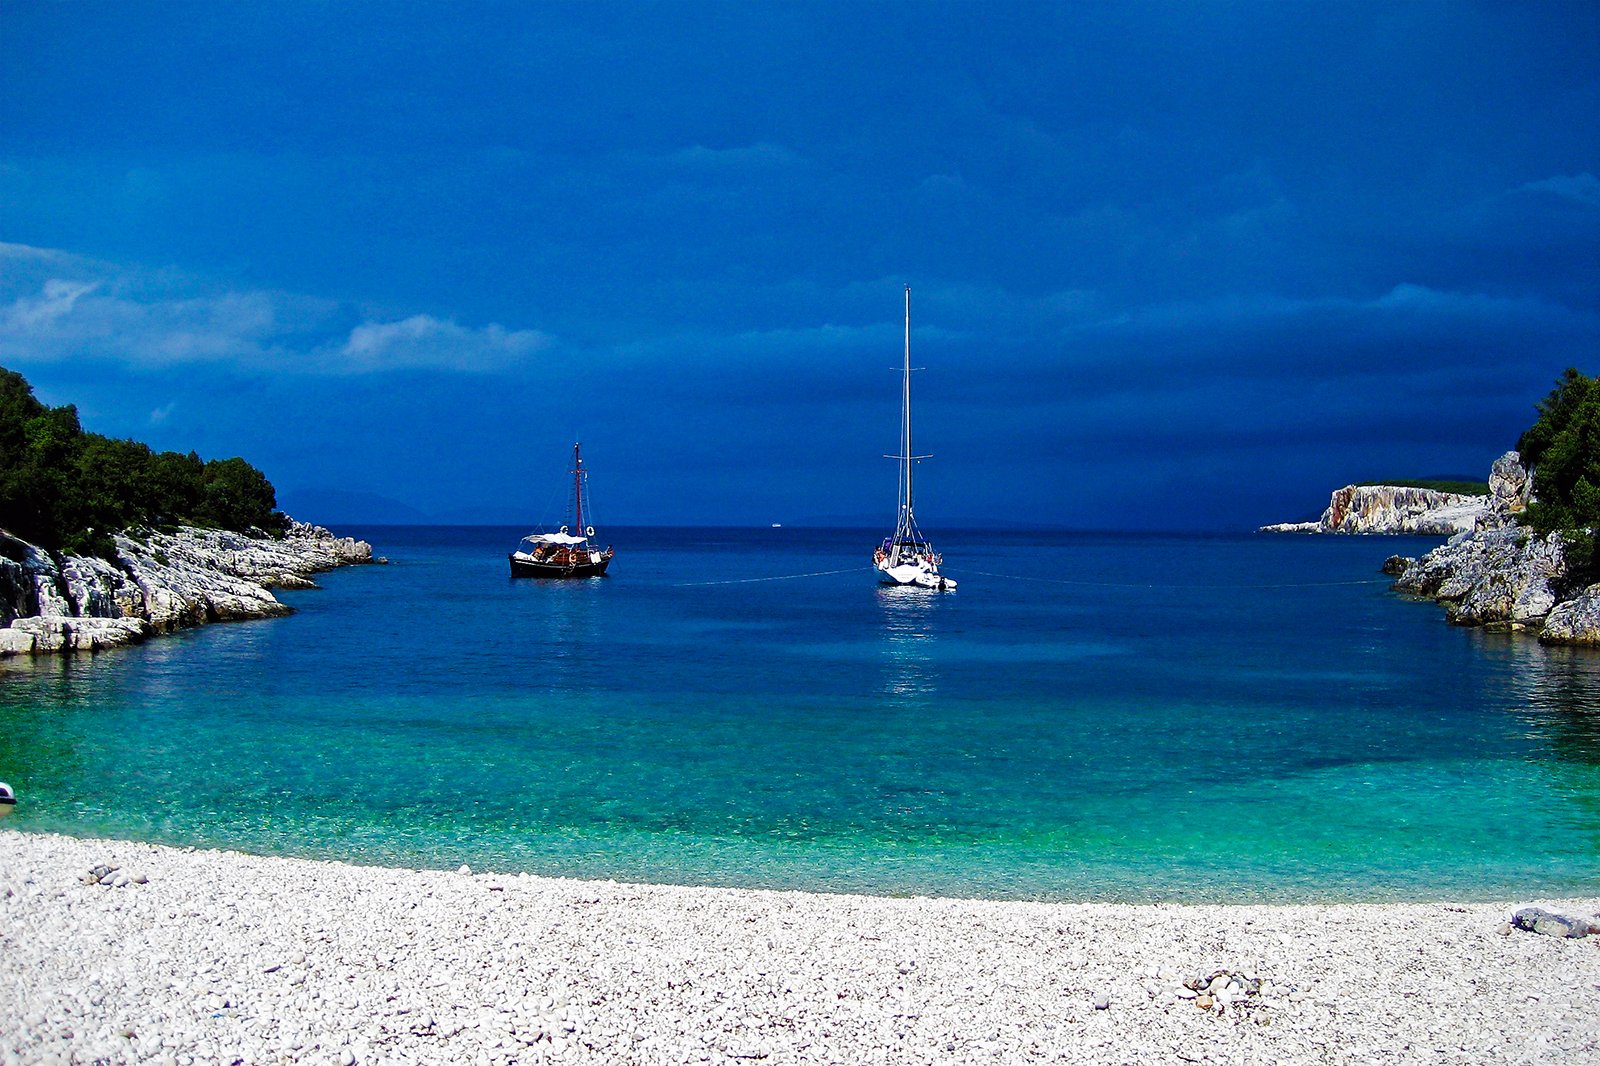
(1532, 561)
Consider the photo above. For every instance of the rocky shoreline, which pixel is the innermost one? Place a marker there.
(1503, 576)
(159, 582)
(1491, 572)
(114, 951)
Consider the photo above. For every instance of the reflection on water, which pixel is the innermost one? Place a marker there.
(1556, 690)
(559, 632)
(908, 640)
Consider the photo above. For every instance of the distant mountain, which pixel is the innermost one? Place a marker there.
(326, 507)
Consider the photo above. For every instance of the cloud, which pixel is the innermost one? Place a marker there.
(1583, 189)
(759, 156)
(58, 308)
(54, 303)
(425, 341)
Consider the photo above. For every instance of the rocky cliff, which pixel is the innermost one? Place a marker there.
(158, 582)
(1506, 578)
(1398, 509)
(1502, 576)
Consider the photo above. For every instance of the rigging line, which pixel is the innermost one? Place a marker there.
(780, 577)
(1156, 585)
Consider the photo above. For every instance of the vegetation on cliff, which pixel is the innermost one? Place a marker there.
(1461, 486)
(1563, 450)
(69, 490)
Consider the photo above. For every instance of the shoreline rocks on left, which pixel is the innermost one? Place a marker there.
(54, 604)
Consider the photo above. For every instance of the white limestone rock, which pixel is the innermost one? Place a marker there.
(1510, 489)
(98, 589)
(1493, 577)
(1577, 621)
(158, 582)
(56, 634)
(1391, 509)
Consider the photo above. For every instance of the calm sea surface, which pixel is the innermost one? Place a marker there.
(1153, 718)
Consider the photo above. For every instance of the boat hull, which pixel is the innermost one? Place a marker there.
(530, 568)
(910, 575)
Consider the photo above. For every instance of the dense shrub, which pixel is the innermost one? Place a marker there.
(1563, 450)
(69, 490)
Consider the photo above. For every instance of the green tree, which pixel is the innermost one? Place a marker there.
(68, 490)
(179, 483)
(1563, 450)
(238, 496)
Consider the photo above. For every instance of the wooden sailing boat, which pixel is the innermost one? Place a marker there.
(906, 557)
(568, 552)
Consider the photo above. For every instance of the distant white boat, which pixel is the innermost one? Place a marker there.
(777, 525)
(906, 557)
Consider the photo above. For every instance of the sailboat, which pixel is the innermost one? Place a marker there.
(906, 557)
(568, 552)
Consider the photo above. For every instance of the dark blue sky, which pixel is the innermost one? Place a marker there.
(1173, 265)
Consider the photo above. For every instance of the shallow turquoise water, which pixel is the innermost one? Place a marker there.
(1163, 718)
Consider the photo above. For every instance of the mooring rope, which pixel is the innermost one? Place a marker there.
(1051, 581)
(1160, 585)
(780, 577)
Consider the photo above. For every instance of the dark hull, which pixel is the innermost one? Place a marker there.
(523, 568)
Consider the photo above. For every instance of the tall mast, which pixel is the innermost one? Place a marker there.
(905, 431)
(577, 490)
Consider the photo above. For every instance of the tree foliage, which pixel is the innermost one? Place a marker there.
(1563, 450)
(69, 490)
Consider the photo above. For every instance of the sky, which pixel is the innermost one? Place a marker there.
(1174, 266)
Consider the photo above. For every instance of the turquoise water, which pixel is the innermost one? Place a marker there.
(1161, 718)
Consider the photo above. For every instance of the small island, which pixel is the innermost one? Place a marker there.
(104, 542)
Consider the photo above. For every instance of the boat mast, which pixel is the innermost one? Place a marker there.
(904, 530)
(577, 490)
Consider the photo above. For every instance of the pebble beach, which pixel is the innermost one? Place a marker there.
(114, 952)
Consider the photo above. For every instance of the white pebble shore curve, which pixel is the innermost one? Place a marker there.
(170, 955)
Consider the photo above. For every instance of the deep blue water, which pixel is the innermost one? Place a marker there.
(1151, 718)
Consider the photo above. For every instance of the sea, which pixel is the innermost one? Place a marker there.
(1089, 717)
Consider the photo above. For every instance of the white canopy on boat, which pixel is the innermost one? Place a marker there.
(552, 538)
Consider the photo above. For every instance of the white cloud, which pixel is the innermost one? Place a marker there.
(63, 308)
(425, 341)
(54, 303)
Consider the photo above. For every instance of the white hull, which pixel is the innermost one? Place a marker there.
(916, 575)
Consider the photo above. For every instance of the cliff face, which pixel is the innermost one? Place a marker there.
(1496, 577)
(1398, 509)
(159, 582)
(1502, 576)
